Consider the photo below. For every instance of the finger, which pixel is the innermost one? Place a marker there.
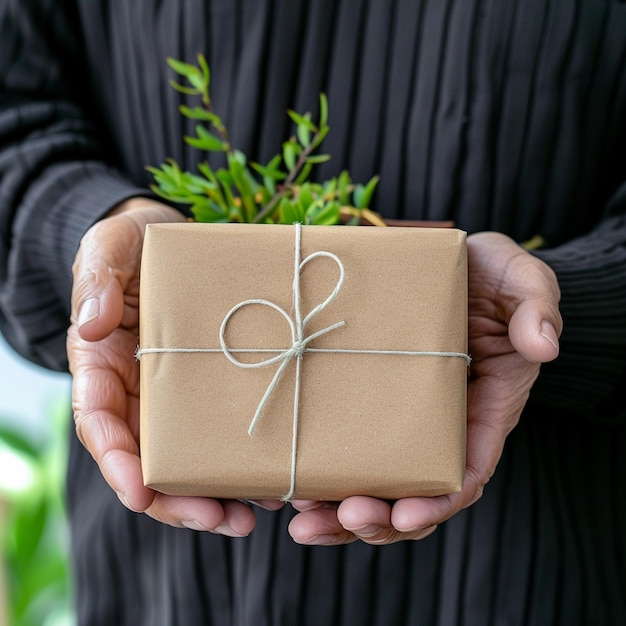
(532, 331)
(105, 403)
(229, 517)
(113, 446)
(99, 402)
(371, 520)
(101, 398)
(413, 516)
(487, 430)
(419, 517)
(319, 527)
(238, 519)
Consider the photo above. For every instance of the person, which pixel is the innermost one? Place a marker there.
(504, 116)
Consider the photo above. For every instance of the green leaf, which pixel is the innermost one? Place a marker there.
(330, 186)
(204, 68)
(207, 171)
(304, 173)
(326, 214)
(362, 195)
(206, 141)
(323, 111)
(182, 68)
(268, 172)
(304, 135)
(241, 180)
(318, 158)
(167, 195)
(198, 184)
(269, 189)
(319, 137)
(198, 113)
(225, 177)
(305, 196)
(226, 181)
(290, 210)
(198, 82)
(171, 169)
(155, 171)
(209, 212)
(192, 73)
(290, 154)
(302, 120)
(344, 183)
(239, 157)
(275, 162)
(182, 89)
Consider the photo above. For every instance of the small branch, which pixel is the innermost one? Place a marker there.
(220, 128)
(288, 184)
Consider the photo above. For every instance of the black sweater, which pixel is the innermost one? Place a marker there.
(504, 115)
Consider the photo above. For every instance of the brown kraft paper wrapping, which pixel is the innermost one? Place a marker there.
(383, 425)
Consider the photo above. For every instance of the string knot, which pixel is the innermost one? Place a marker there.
(298, 348)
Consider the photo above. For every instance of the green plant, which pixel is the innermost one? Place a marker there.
(243, 191)
(34, 532)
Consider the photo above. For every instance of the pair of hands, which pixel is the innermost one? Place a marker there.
(514, 324)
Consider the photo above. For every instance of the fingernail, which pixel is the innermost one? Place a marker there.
(365, 531)
(547, 331)
(320, 540)
(89, 311)
(222, 529)
(194, 525)
(124, 500)
(384, 539)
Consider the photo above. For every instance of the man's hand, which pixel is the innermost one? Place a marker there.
(514, 325)
(101, 345)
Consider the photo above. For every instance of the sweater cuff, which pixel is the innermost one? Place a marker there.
(84, 193)
(587, 376)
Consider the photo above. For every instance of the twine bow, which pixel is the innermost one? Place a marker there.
(298, 346)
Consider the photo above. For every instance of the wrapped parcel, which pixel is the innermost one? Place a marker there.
(303, 362)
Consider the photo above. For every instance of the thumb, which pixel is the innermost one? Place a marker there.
(105, 294)
(100, 306)
(535, 325)
(97, 295)
(533, 336)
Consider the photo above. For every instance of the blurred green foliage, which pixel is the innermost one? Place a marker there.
(33, 524)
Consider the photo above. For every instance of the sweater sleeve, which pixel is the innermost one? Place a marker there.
(589, 376)
(56, 179)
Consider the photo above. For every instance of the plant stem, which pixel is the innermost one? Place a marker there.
(288, 184)
(220, 128)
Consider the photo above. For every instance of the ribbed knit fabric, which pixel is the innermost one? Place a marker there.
(499, 114)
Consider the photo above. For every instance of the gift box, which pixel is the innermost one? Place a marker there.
(303, 362)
